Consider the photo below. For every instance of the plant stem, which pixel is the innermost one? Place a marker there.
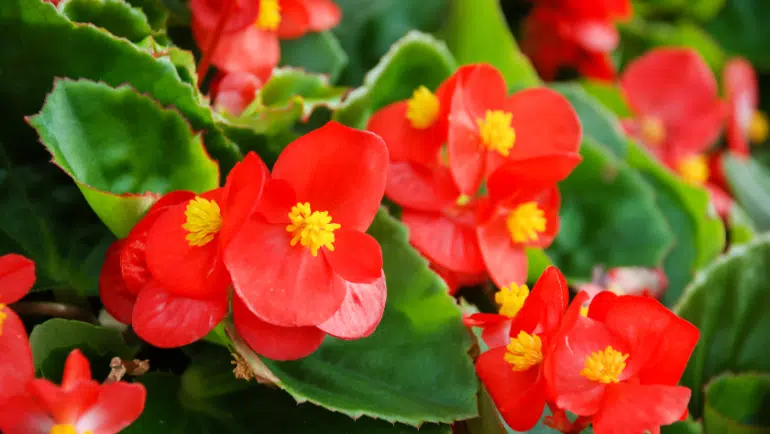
(54, 310)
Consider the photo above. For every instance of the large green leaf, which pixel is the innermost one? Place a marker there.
(601, 200)
(118, 145)
(154, 10)
(476, 32)
(700, 234)
(750, 184)
(415, 368)
(737, 404)
(116, 16)
(741, 28)
(416, 59)
(609, 94)
(56, 47)
(207, 398)
(728, 302)
(319, 53)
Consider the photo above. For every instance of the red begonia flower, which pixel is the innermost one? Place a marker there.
(620, 364)
(513, 371)
(293, 261)
(744, 122)
(16, 366)
(232, 92)
(17, 275)
(487, 128)
(80, 404)
(454, 280)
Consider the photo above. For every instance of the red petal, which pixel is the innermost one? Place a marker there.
(406, 143)
(277, 200)
(630, 408)
(545, 305)
(241, 193)
(118, 300)
(323, 14)
(454, 280)
(250, 50)
(23, 415)
(232, 92)
(15, 356)
(295, 19)
(17, 275)
(357, 257)
(337, 169)
(282, 284)
(361, 311)
(119, 404)
(421, 188)
(740, 83)
(208, 13)
(168, 321)
(448, 241)
(271, 341)
(506, 262)
(597, 36)
(601, 304)
(64, 405)
(517, 175)
(700, 132)
(496, 329)
(76, 369)
(518, 395)
(597, 66)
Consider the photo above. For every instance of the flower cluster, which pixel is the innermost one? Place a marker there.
(475, 172)
(36, 406)
(615, 365)
(291, 245)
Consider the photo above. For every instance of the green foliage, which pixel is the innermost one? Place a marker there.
(740, 27)
(609, 95)
(116, 16)
(319, 53)
(750, 184)
(737, 404)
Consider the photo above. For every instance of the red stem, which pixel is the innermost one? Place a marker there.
(208, 53)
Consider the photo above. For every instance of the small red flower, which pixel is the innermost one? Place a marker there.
(620, 364)
(487, 128)
(520, 340)
(79, 405)
(745, 122)
(232, 92)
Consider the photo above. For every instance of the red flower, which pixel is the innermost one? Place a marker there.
(232, 92)
(620, 364)
(574, 33)
(745, 122)
(238, 36)
(79, 405)
(513, 373)
(487, 128)
(455, 280)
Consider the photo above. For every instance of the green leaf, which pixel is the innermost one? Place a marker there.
(477, 32)
(740, 227)
(741, 29)
(601, 200)
(750, 184)
(609, 95)
(154, 10)
(687, 34)
(116, 16)
(53, 340)
(118, 145)
(319, 53)
(728, 302)
(416, 59)
(737, 404)
(415, 368)
(207, 398)
(700, 234)
(537, 261)
(688, 426)
(56, 47)
(599, 124)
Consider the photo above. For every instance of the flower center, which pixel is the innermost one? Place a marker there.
(463, 200)
(694, 169)
(312, 229)
(496, 131)
(204, 220)
(758, 127)
(604, 366)
(526, 222)
(66, 429)
(269, 15)
(422, 108)
(511, 298)
(524, 351)
(652, 130)
(584, 310)
(3, 316)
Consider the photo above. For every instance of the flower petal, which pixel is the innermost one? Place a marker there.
(496, 329)
(23, 415)
(420, 187)
(518, 175)
(323, 14)
(545, 305)
(118, 405)
(277, 200)
(242, 193)
(740, 83)
(271, 341)
(295, 19)
(117, 299)
(506, 262)
(282, 284)
(17, 275)
(76, 369)
(250, 50)
(356, 258)
(15, 356)
(337, 169)
(361, 311)
(167, 320)
(406, 143)
(636, 408)
(208, 13)
(64, 405)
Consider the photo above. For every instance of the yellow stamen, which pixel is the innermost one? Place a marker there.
(66, 429)
(269, 15)
(604, 366)
(511, 298)
(652, 130)
(312, 229)
(463, 200)
(694, 170)
(758, 127)
(422, 108)
(3, 316)
(496, 131)
(526, 222)
(584, 310)
(524, 351)
(204, 220)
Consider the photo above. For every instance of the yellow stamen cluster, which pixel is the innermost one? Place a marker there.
(204, 220)
(422, 108)
(524, 351)
(694, 170)
(526, 222)
(758, 127)
(269, 15)
(463, 200)
(312, 229)
(511, 298)
(652, 130)
(496, 131)
(66, 429)
(584, 310)
(604, 366)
